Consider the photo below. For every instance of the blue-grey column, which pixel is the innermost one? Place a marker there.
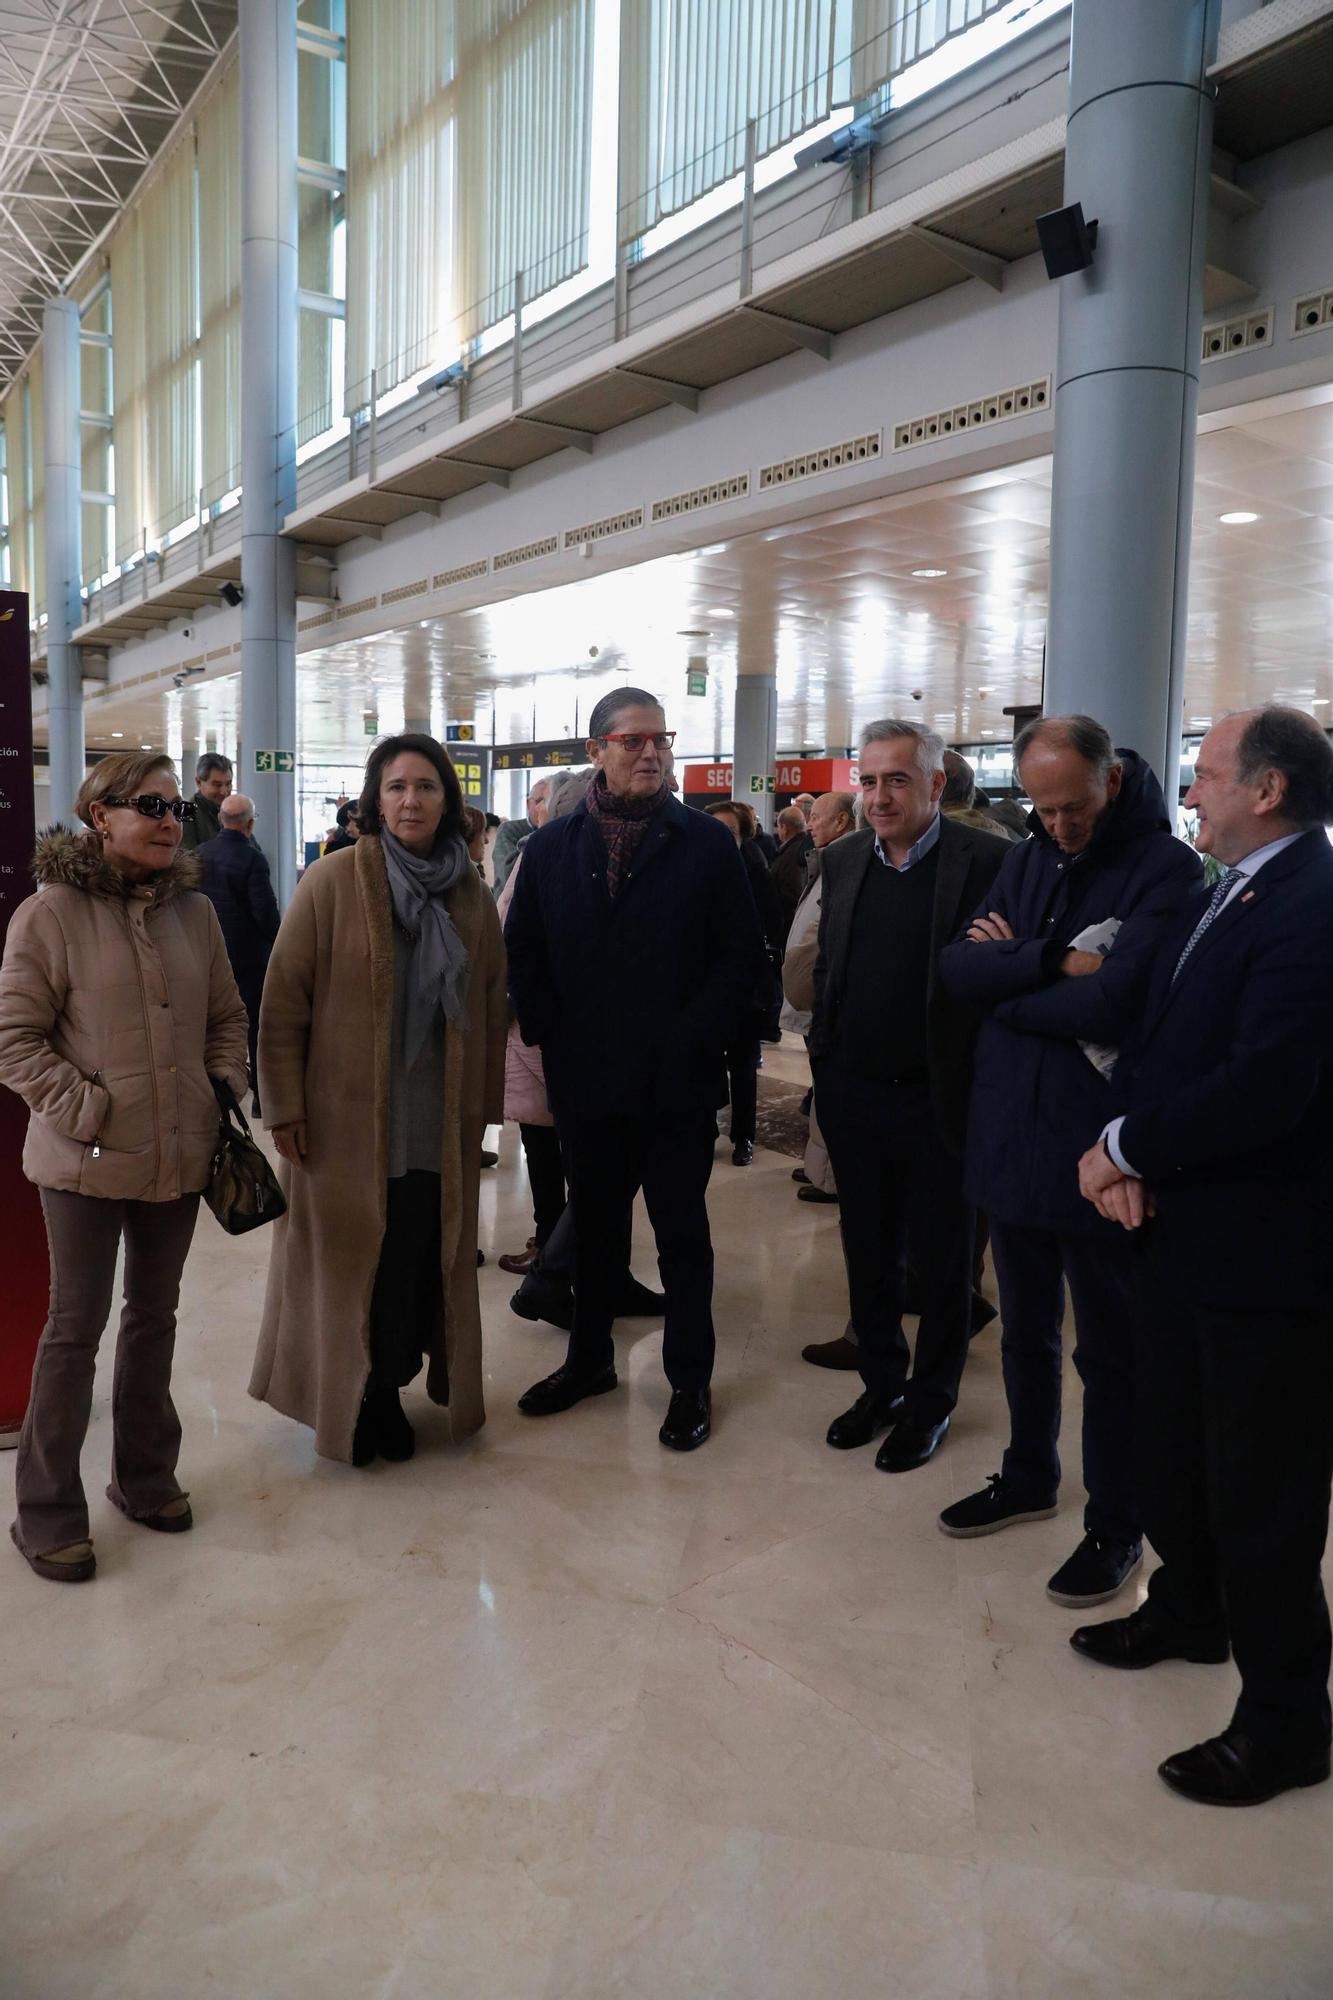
(64, 551)
(268, 420)
(756, 742)
(1137, 156)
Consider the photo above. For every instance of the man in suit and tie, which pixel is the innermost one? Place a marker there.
(1222, 1161)
(891, 1055)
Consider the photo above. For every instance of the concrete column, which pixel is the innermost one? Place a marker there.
(756, 742)
(268, 420)
(1137, 156)
(64, 551)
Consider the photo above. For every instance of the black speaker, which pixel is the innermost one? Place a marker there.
(1067, 240)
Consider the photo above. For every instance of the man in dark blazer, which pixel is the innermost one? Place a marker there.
(235, 877)
(212, 784)
(634, 950)
(891, 1055)
(1058, 958)
(1223, 1163)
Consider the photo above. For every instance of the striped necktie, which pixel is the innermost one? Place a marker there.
(1225, 882)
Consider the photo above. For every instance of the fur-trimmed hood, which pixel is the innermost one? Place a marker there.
(74, 860)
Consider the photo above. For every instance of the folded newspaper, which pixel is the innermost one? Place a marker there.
(1099, 938)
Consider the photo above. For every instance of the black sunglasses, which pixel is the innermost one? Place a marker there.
(153, 806)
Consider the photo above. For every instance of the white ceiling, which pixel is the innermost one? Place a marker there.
(833, 605)
(89, 90)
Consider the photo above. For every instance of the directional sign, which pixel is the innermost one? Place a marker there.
(269, 761)
(263, 762)
(696, 683)
(372, 725)
(285, 761)
(460, 732)
(758, 784)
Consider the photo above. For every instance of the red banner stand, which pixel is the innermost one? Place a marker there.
(24, 1281)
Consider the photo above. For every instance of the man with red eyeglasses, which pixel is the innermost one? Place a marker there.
(633, 950)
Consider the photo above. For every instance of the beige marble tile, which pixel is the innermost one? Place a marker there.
(1049, 1934)
(557, 1713)
(823, 1734)
(686, 1911)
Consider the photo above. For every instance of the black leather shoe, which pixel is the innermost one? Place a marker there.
(636, 1301)
(909, 1445)
(742, 1153)
(1144, 1638)
(868, 1415)
(563, 1389)
(396, 1438)
(1230, 1770)
(817, 1195)
(534, 1303)
(688, 1420)
(840, 1353)
(799, 1174)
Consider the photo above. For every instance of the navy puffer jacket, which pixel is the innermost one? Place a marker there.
(1037, 1101)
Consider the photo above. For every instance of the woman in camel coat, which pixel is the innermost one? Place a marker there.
(381, 1062)
(117, 1009)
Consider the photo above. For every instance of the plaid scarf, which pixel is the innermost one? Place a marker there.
(622, 824)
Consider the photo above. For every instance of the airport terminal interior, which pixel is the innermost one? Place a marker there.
(445, 367)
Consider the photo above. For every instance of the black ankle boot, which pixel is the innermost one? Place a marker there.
(365, 1438)
(397, 1439)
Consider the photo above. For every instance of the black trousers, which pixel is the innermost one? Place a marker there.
(250, 985)
(896, 1180)
(610, 1159)
(1031, 1267)
(1236, 1445)
(407, 1304)
(546, 1177)
(743, 1082)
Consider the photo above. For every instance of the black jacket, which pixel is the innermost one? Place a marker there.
(1037, 1102)
(1229, 1085)
(788, 875)
(234, 876)
(633, 1001)
(204, 827)
(968, 862)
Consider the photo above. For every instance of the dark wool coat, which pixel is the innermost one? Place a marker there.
(324, 1035)
(1229, 1085)
(1037, 1102)
(633, 1000)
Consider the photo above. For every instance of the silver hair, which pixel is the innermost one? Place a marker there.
(566, 789)
(1082, 733)
(930, 747)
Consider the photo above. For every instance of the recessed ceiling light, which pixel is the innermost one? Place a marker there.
(930, 572)
(145, 746)
(718, 611)
(1320, 701)
(1240, 518)
(118, 732)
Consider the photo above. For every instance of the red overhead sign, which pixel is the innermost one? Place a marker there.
(790, 776)
(23, 1294)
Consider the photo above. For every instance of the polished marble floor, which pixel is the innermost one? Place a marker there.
(560, 1716)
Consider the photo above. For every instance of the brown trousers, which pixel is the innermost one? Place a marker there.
(83, 1234)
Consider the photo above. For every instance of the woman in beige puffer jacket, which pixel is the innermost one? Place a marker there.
(117, 1007)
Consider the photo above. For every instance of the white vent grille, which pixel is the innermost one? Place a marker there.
(826, 458)
(355, 609)
(463, 574)
(1234, 336)
(610, 524)
(735, 488)
(997, 408)
(529, 552)
(316, 618)
(1313, 313)
(405, 590)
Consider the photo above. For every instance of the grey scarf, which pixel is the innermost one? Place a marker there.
(418, 884)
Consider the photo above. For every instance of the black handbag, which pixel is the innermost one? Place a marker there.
(243, 1190)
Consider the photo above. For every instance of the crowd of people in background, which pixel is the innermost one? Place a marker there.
(1067, 1031)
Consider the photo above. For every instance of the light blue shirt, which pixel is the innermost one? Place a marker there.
(915, 853)
(1245, 871)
